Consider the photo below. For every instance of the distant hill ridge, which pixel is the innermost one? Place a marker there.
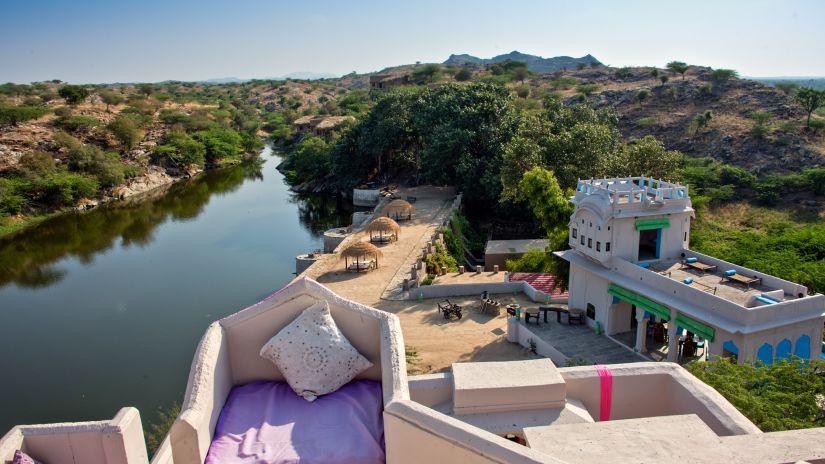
(534, 63)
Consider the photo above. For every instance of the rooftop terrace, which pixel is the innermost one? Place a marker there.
(628, 190)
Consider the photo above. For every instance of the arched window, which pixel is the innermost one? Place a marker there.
(803, 347)
(783, 349)
(765, 353)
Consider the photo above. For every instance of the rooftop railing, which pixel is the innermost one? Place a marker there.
(633, 189)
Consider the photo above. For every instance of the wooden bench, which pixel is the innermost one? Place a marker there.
(743, 279)
(703, 287)
(699, 266)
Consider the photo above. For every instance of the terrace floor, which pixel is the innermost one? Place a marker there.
(580, 344)
(710, 282)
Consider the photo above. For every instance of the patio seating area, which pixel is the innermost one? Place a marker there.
(578, 342)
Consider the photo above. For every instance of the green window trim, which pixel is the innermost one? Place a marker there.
(704, 331)
(650, 224)
(660, 311)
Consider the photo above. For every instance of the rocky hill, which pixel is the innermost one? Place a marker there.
(670, 110)
(534, 63)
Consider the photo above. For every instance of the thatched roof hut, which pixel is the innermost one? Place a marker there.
(399, 209)
(383, 229)
(364, 256)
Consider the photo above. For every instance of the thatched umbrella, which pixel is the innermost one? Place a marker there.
(399, 209)
(360, 253)
(381, 226)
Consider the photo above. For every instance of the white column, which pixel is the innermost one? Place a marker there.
(641, 330)
(672, 338)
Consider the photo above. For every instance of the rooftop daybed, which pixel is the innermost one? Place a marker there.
(237, 407)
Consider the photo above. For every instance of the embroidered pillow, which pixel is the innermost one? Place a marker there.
(313, 355)
(23, 458)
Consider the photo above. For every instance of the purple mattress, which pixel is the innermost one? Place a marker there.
(267, 423)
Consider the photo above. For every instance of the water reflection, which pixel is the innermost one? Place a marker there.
(26, 258)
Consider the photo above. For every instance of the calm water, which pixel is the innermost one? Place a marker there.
(104, 309)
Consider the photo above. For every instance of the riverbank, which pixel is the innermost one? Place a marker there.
(154, 180)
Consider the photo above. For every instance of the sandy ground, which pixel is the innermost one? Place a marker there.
(438, 342)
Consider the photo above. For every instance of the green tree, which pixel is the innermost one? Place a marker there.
(678, 67)
(110, 97)
(546, 198)
(642, 95)
(580, 66)
(13, 115)
(181, 149)
(654, 73)
(127, 129)
(427, 73)
(519, 74)
(760, 123)
(663, 78)
(145, 89)
(311, 159)
(646, 156)
(73, 94)
(810, 100)
(464, 74)
(788, 88)
(784, 395)
(701, 121)
(816, 125)
(723, 75)
(586, 90)
(220, 144)
(623, 73)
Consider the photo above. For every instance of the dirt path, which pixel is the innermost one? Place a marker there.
(438, 342)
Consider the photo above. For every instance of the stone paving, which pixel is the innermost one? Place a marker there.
(580, 343)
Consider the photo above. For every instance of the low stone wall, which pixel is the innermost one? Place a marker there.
(365, 197)
(447, 290)
(519, 332)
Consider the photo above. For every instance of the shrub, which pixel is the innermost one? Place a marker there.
(73, 94)
(169, 116)
(181, 149)
(464, 74)
(63, 111)
(12, 198)
(430, 72)
(523, 91)
(706, 89)
(37, 162)
(816, 178)
(736, 176)
(564, 83)
(723, 75)
(14, 115)
(439, 259)
(220, 143)
(74, 123)
(127, 130)
(63, 189)
(106, 167)
(784, 395)
(623, 73)
(646, 121)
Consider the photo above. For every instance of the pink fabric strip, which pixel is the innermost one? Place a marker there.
(606, 379)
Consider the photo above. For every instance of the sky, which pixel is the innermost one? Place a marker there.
(95, 41)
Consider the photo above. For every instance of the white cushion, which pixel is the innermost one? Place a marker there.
(313, 355)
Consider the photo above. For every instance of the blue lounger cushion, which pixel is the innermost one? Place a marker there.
(688, 280)
(730, 273)
(644, 265)
(691, 260)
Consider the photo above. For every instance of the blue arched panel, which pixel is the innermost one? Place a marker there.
(765, 353)
(803, 347)
(730, 347)
(783, 349)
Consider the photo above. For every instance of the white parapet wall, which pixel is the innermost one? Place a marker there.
(448, 290)
(116, 441)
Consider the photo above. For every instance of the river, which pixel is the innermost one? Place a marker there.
(104, 309)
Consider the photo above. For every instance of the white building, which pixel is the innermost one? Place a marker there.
(630, 263)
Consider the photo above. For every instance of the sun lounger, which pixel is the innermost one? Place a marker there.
(359, 266)
(741, 279)
(699, 266)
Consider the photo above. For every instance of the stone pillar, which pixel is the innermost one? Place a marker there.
(672, 338)
(641, 330)
(461, 269)
(495, 269)
(479, 269)
(414, 272)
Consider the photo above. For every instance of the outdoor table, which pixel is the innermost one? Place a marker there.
(557, 309)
